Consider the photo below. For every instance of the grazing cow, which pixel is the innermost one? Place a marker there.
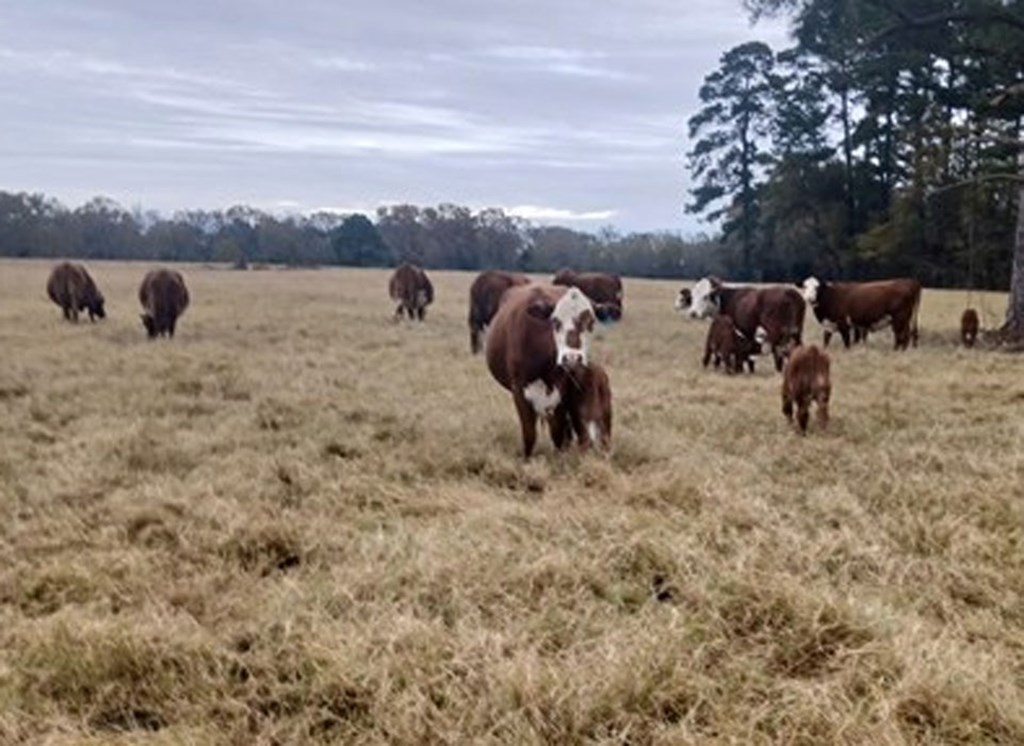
(604, 291)
(164, 298)
(71, 288)
(770, 314)
(864, 307)
(538, 339)
(969, 325)
(727, 344)
(806, 379)
(412, 290)
(589, 396)
(484, 298)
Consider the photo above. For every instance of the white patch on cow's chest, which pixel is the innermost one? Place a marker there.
(543, 398)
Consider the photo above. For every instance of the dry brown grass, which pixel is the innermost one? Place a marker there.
(300, 523)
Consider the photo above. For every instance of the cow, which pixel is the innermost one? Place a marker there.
(865, 306)
(484, 297)
(772, 315)
(805, 379)
(164, 298)
(969, 325)
(538, 341)
(725, 343)
(412, 290)
(72, 288)
(604, 290)
(589, 401)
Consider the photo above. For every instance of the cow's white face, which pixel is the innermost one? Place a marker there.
(809, 290)
(572, 322)
(703, 301)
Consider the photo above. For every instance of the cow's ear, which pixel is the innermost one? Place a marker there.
(541, 309)
(607, 312)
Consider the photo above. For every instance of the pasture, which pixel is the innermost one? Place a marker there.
(301, 523)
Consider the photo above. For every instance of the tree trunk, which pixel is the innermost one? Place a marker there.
(1013, 330)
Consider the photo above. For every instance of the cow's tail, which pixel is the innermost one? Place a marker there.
(913, 318)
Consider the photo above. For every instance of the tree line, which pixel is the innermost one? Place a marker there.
(443, 237)
(884, 141)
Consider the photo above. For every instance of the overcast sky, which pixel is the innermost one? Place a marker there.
(569, 111)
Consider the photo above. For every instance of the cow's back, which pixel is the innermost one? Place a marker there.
(521, 348)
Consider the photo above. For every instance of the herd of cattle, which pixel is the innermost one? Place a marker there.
(536, 336)
(163, 296)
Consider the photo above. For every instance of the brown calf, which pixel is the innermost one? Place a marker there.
(589, 396)
(805, 379)
(727, 344)
(969, 325)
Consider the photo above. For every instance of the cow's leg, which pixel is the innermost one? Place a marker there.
(170, 326)
(707, 356)
(787, 403)
(527, 421)
(826, 337)
(844, 332)
(421, 312)
(779, 359)
(750, 363)
(560, 426)
(803, 412)
(822, 399)
(67, 312)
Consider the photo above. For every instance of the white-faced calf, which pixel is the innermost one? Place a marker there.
(805, 379)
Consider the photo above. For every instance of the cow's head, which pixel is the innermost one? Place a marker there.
(704, 298)
(683, 300)
(607, 312)
(572, 323)
(149, 323)
(96, 307)
(810, 289)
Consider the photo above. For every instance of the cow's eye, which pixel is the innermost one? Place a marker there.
(556, 324)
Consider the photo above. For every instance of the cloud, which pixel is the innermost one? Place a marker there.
(558, 214)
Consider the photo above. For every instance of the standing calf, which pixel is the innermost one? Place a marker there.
(806, 379)
(589, 397)
(969, 327)
(727, 343)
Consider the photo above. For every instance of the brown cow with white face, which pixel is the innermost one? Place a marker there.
(412, 290)
(537, 342)
(604, 290)
(484, 298)
(766, 314)
(866, 306)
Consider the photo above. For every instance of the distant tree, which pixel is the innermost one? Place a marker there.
(730, 151)
(358, 243)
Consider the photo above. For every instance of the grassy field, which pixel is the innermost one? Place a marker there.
(301, 523)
